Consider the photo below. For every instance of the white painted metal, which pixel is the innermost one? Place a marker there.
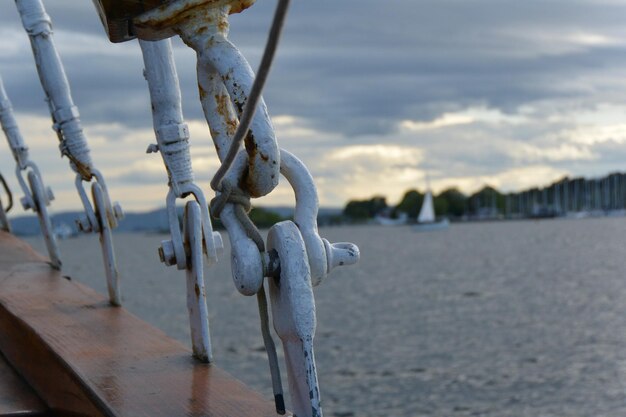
(40, 200)
(293, 304)
(36, 195)
(196, 293)
(323, 256)
(293, 312)
(246, 260)
(64, 113)
(172, 134)
(172, 137)
(12, 132)
(247, 263)
(205, 28)
(67, 124)
(106, 244)
(303, 257)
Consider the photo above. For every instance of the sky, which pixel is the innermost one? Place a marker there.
(373, 96)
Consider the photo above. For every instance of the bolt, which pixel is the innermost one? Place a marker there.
(271, 264)
(26, 203)
(166, 253)
(342, 253)
(117, 211)
(83, 224)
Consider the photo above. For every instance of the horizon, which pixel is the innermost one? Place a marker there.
(494, 92)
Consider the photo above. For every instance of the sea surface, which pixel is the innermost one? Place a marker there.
(497, 319)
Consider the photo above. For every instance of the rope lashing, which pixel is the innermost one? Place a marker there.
(77, 151)
(36, 22)
(174, 147)
(229, 194)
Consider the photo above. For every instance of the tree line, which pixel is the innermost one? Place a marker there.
(567, 195)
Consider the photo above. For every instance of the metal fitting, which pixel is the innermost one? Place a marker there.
(83, 224)
(26, 203)
(166, 253)
(340, 254)
(118, 212)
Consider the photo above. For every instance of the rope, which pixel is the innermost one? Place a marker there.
(277, 386)
(228, 194)
(255, 93)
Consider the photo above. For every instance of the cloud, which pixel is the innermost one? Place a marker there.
(370, 95)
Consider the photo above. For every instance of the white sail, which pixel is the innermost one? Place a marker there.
(427, 212)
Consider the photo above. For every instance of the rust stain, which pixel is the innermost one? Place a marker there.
(223, 25)
(222, 102)
(239, 106)
(251, 146)
(197, 290)
(202, 91)
(231, 126)
(163, 15)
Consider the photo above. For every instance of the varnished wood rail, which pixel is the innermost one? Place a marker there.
(17, 398)
(83, 357)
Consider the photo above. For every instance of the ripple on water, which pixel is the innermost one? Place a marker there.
(492, 319)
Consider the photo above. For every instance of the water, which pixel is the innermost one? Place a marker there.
(486, 319)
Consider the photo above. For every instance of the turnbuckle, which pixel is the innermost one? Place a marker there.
(183, 250)
(102, 216)
(37, 196)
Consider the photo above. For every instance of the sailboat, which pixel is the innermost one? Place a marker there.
(426, 220)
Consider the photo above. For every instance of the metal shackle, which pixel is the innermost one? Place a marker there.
(173, 251)
(249, 267)
(323, 256)
(112, 211)
(203, 25)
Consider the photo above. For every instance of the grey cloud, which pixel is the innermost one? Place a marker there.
(359, 67)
